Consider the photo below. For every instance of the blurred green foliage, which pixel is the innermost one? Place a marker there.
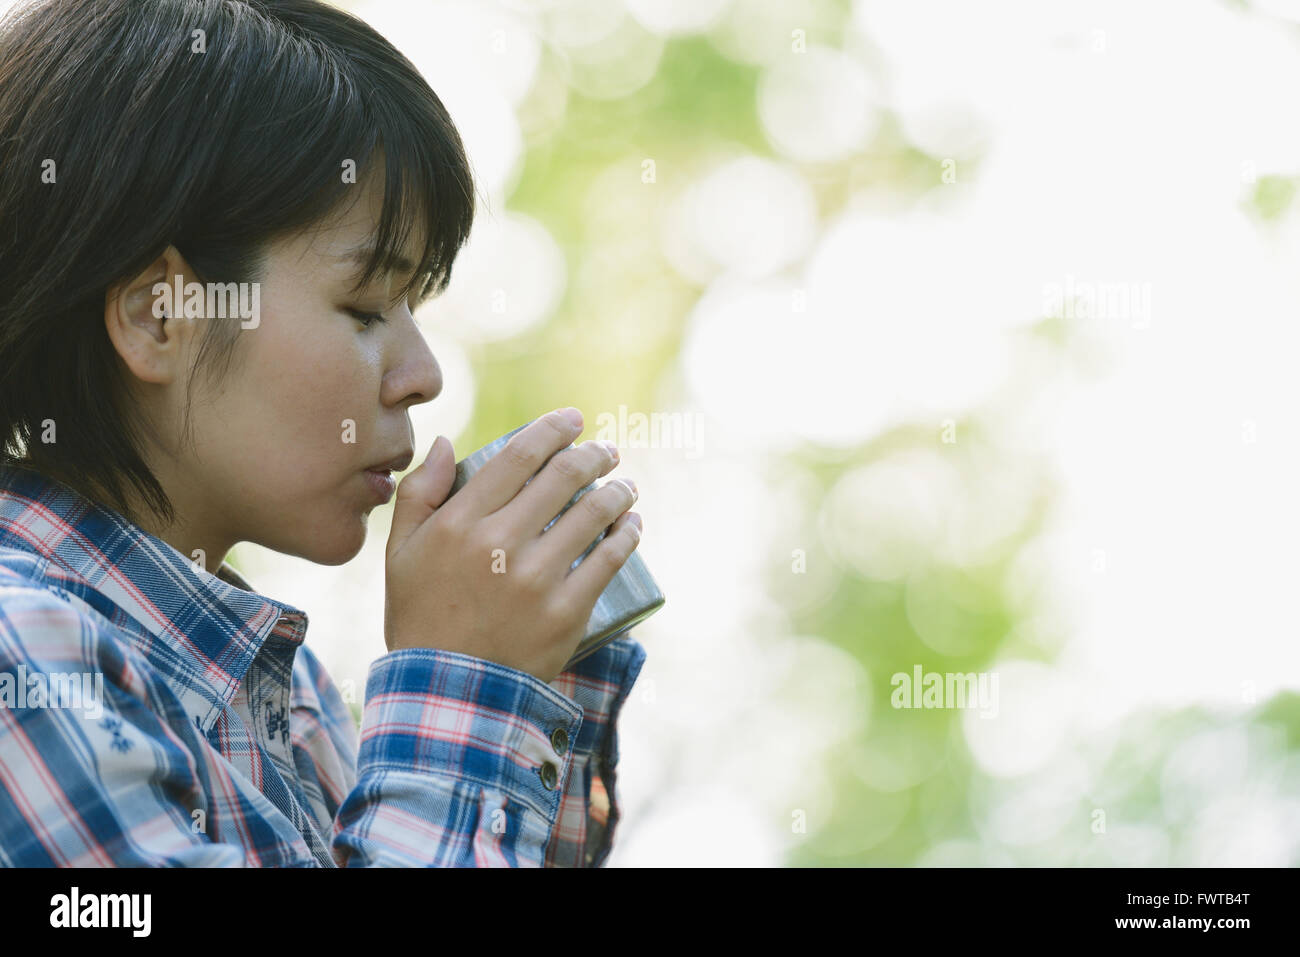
(700, 104)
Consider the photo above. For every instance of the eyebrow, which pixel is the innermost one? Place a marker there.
(360, 255)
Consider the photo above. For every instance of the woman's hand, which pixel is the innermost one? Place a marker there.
(475, 574)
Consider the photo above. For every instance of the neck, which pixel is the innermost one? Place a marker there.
(206, 550)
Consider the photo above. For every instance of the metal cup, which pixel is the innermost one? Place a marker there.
(631, 596)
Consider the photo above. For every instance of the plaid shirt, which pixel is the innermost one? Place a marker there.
(210, 735)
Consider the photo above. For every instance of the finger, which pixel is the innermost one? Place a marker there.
(552, 490)
(422, 492)
(584, 584)
(577, 528)
(528, 450)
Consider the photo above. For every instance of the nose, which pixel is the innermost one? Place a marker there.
(415, 376)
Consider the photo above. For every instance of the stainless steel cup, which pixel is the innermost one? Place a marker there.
(631, 596)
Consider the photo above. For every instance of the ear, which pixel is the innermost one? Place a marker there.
(149, 330)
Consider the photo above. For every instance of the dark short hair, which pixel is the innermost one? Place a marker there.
(217, 153)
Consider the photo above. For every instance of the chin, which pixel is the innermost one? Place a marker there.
(339, 545)
(340, 553)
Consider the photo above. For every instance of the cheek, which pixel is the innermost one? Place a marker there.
(309, 393)
(322, 404)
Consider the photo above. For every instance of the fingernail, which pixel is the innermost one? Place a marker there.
(613, 449)
(573, 415)
(630, 484)
(635, 519)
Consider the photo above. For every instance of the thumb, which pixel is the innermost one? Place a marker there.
(422, 491)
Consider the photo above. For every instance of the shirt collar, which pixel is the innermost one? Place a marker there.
(200, 630)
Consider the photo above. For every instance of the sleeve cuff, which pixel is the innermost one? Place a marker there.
(600, 684)
(455, 716)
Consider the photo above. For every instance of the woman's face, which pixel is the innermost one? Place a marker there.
(314, 398)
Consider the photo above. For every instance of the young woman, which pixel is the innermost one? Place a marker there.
(282, 160)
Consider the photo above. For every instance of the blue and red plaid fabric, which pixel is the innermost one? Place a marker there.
(219, 739)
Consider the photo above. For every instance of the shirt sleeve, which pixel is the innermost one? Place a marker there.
(91, 775)
(589, 809)
(468, 763)
(460, 761)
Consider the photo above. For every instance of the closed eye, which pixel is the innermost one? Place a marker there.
(366, 317)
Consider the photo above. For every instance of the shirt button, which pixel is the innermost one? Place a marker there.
(560, 741)
(549, 776)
